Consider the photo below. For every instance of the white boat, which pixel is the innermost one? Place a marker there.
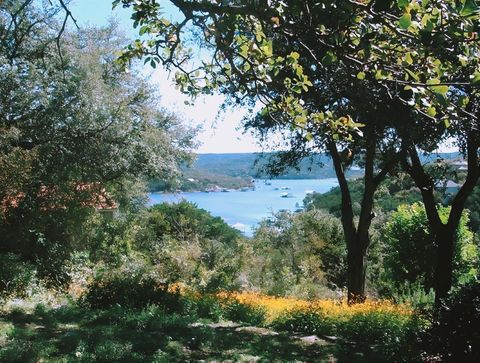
(286, 195)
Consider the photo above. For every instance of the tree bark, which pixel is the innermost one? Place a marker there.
(356, 271)
(443, 276)
(445, 234)
(358, 237)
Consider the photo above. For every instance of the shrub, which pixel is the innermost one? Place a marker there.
(236, 311)
(298, 253)
(410, 249)
(15, 275)
(455, 334)
(309, 322)
(203, 307)
(133, 290)
(189, 245)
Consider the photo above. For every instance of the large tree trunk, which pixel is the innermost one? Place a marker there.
(445, 233)
(356, 271)
(443, 278)
(358, 237)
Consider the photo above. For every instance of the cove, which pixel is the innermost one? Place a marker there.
(245, 209)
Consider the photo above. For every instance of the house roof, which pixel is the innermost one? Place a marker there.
(447, 184)
(95, 196)
(459, 163)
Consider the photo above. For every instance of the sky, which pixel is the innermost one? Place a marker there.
(222, 131)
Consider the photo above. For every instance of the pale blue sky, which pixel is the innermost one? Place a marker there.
(222, 131)
(226, 135)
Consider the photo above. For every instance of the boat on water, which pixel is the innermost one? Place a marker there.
(286, 195)
(284, 188)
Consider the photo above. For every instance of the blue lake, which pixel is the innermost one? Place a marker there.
(243, 210)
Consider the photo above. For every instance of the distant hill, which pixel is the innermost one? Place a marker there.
(243, 165)
(235, 170)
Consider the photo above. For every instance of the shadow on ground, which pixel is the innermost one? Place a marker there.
(71, 334)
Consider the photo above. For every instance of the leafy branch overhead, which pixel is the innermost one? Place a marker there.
(423, 53)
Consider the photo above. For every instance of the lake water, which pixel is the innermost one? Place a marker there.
(243, 210)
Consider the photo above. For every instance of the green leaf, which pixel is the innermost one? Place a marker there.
(469, 8)
(408, 58)
(405, 21)
(441, 90)
(381, 74)
(463, 100)
(361, 75)
(329, 58)
(413, 75)
(301, 120)
(431, 111)
(476, 78)
(165, 21)
(402, 4)
(244, 50)
(294, 55)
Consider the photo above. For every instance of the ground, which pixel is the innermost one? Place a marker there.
(71, 334)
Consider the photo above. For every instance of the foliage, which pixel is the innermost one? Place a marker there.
(187, 244)
(407, 292)
(78, 134)
(388, 43)
(371, 78)
(393, 329)
(15, 276)
(235, 310)
(393, 192)
(472, 202)
(411, 250)
(147, 335)
(454, 335)
(127, 288)
(297, 254)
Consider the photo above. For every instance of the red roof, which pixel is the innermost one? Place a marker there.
(95, 197)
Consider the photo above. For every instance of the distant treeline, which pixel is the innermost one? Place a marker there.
(235, 170)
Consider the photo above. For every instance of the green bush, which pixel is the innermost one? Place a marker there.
(389, 336)
(410, 249)
(203, 307)
(455, 334)
(309, 322)
(298, 254)
(15, 275)
(187, 244)
(133, 290)
(236, 311)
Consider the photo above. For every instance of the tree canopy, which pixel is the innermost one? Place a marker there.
(76, 131)
(382, 78)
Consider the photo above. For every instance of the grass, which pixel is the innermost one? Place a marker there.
(380, 328)
(72, 333)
